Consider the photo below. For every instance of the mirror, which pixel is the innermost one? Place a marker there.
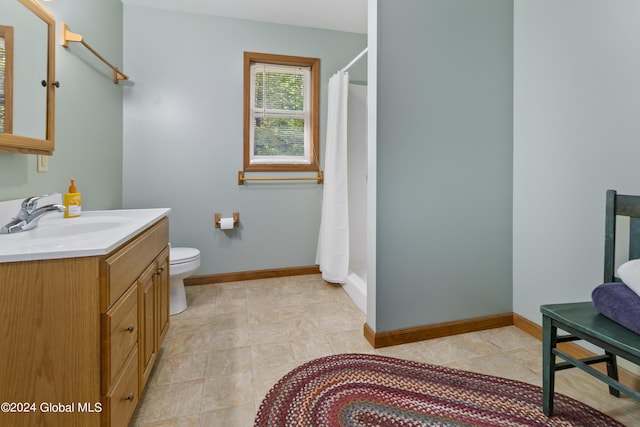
(33, 78)
(6, 79)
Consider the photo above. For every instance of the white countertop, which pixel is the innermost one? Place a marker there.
(92, 233)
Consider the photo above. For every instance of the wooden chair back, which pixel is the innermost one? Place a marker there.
(619, 205)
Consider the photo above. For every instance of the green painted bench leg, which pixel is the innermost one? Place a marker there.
(549, 340)
(612, 372)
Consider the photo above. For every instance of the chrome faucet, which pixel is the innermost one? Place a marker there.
(29, 215)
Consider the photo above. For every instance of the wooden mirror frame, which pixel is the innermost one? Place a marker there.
(30, 145)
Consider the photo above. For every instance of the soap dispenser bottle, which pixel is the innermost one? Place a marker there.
(72, 201)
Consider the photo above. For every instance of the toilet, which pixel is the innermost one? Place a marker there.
(182, 263)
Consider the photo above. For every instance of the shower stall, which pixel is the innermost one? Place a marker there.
(342, 240)
(356, 282)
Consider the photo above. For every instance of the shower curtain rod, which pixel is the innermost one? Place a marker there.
(354, 60)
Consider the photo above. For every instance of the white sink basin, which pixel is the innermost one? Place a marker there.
(92, 233)
(55, 226)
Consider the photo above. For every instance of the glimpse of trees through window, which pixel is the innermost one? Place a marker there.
(279, 137)
(279, 117)
(281, 113)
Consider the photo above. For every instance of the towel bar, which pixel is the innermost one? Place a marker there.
(242, 179)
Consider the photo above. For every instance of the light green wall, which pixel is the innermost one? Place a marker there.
(444, 161)
(448, 179)
(444, 151)
(183, 134)
(576, 134)
(88, 113)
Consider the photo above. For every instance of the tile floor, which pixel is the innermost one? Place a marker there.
(235, 340)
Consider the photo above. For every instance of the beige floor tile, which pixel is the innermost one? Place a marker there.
(350, 342)
(267, 356)
(164, 402)
(440, 351)
(266, 378)
(266, 333)
(231, 361)
(261, 300)
(238, 416)
(192, 340)
(284, 287)
(508, 338)
(197, 314)
(506, 365)
(236, 340)
(228, 391)
(310, 347)
(301, 327)
(227, 321)
(229, 338)
(231, 300)
(205, 339)
(204, 294)
(231, 306)
(175, 369)
(188, 421)
(270, 315)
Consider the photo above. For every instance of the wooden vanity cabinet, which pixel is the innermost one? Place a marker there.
(153, 313)
(163, 294)
(79, 336)
(135, 272)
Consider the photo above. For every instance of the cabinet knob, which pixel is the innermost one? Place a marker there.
(160, 270)
(129, 397)
(130, 328)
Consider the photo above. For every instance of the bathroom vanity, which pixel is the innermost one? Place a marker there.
(81, 323)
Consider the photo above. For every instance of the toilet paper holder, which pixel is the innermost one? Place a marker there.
(217, 217)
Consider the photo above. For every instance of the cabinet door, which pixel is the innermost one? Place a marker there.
(147, 326)
(162, 288)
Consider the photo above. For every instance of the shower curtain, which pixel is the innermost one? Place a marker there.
(333, 240)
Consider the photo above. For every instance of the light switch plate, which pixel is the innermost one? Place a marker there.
(43, 163)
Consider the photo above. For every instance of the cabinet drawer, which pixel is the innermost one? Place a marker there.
(119, 336)
(119, 405)
(120, 270)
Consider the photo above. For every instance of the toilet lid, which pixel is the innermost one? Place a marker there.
(180, 255)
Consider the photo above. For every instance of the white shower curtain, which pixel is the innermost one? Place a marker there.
(333, 240)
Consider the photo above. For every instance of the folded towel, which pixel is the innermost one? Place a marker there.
(629, 273)
(619, 303)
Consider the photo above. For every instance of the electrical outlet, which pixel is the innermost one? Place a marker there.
(43, 163)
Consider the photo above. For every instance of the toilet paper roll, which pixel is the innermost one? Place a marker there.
(226, 223)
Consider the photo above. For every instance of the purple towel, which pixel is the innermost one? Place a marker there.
(619, 303)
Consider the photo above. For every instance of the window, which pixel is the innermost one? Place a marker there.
(281, 112)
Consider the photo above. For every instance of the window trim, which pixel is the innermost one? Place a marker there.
(314, 126)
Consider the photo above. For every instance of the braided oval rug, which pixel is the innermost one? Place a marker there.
(368, 390)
